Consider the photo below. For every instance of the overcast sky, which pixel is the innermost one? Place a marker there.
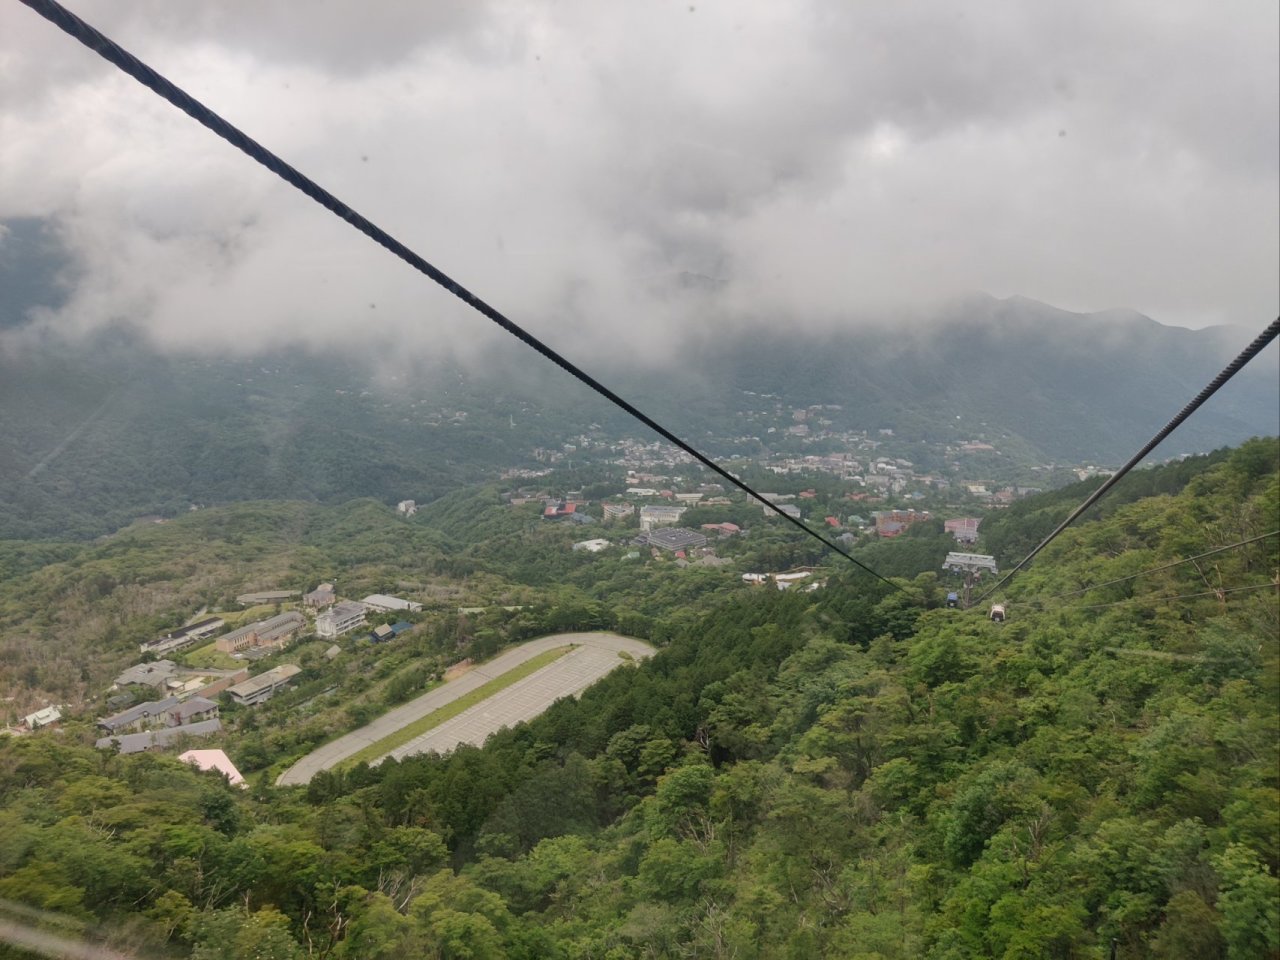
(608, 172)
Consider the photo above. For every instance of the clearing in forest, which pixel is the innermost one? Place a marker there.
(513, 687)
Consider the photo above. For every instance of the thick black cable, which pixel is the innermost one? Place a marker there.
(1151, 570)
(63, 18)
(1257, 346)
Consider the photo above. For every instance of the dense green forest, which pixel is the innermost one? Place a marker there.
(853, 773)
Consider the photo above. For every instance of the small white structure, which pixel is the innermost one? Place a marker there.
(591, 546)
(385, 604)
(341, 618)
(407, 508)
(42, 718)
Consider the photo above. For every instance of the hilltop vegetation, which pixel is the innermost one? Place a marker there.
(851, 773)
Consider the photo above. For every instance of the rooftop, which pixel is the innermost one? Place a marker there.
(264, 681)
(166, 736)
(214, 760)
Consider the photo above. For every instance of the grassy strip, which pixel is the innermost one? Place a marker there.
(381, 748)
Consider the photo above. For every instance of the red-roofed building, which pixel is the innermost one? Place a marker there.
(723, 529)
(833, 521)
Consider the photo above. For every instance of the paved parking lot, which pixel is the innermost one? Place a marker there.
(595, 654)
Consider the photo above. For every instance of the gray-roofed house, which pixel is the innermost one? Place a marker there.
(140, 716)
(192, 711)
(159, 739)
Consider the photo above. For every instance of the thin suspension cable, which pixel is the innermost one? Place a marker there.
(63, 18)
(1181, 596)
(1259, 343)
(1166, 566)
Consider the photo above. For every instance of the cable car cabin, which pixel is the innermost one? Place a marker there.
(997, 612)
(953, 601)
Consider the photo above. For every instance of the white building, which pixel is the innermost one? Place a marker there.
(407, 507)
(341, 618)
(42, 718)
(616, 511)
(659, 515)
(384, 604)
(591, 546)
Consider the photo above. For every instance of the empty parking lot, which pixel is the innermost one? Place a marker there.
(593, 656)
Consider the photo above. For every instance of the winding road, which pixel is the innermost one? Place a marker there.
(593, 656)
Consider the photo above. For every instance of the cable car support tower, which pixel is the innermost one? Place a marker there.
(972, 565)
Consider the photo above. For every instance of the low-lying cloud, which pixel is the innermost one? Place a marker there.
(610, 175)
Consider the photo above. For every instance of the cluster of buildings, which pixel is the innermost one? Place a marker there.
(159, 723)
(183, 705)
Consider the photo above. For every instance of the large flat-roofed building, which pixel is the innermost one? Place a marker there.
(385, 604)
(183, 636)
(266, 596)
(339, 619)
(264, 685)
(659, 515)
(274, 631)
(673, 539)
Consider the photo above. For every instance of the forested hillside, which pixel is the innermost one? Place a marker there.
(850, 773)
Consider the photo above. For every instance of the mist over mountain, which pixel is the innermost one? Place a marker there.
(1074, 386)
(95, 433)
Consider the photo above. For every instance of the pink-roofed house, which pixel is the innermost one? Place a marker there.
(215, 760)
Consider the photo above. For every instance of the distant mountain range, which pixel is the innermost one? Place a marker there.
(1075, 387)
(96, 433)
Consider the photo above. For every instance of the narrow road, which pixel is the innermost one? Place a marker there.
(595, 655)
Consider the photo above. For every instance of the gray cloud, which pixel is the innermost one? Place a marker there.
(609, 173)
